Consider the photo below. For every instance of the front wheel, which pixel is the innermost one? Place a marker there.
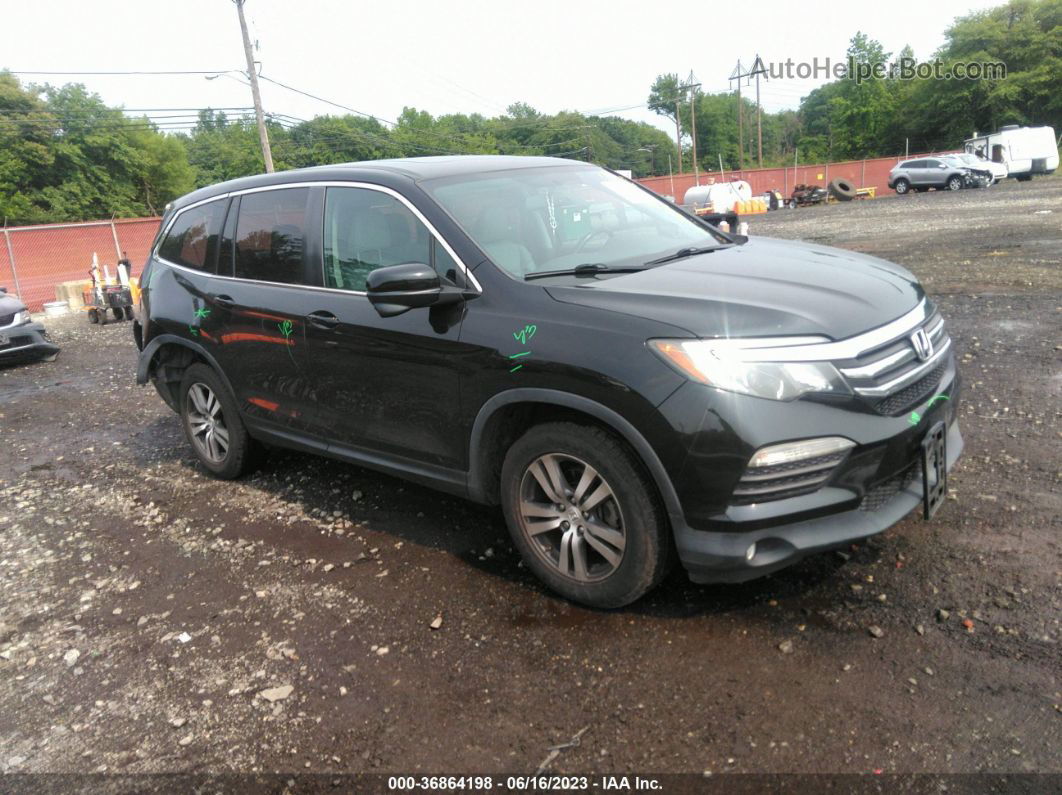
(954, 183)
(584, 514)
(902, 186)
(212, 424)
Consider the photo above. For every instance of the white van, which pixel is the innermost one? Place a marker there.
(1025, 151)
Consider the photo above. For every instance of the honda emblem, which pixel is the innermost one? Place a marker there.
(922, 344)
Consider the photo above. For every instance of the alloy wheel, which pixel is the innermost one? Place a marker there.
(571, 517)
(207, 423)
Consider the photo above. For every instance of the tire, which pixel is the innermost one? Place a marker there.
(954, 182)
(129, 313)
(842, 190)
(94, 316)
(1024, 178)
(902, 186)
(119, 313)
(211, 405)
(626, 555)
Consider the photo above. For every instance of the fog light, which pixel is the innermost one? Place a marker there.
(750, 553)
(788, 452)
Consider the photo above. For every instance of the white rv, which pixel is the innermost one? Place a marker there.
(1025, 151)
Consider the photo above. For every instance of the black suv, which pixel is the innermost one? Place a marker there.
(625, 380)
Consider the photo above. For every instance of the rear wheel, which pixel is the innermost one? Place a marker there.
(902, 186)
(212, 424)
(93, 316)
(584, 514)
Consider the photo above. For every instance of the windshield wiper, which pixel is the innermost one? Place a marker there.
(682, 253)
(585, 269)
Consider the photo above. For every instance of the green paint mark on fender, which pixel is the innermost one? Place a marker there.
(287, 328)
(522, 336)
(916, 418)
(202, 312)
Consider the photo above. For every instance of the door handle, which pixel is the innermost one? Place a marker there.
(323, 319)
(224, 300)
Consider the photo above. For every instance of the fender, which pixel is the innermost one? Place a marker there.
(476, 487)
(146, 355)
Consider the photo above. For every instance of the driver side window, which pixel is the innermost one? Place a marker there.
(367, 229)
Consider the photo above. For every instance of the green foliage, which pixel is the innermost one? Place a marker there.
(879, 116)
(64, 155)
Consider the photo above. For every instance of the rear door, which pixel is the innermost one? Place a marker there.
(913, 171)
(384, 385)
(268, 267)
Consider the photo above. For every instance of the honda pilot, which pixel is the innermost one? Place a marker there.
(627, 382)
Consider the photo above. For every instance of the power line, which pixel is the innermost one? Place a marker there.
(131, 72)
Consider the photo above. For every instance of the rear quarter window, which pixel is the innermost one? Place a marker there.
(192, 239)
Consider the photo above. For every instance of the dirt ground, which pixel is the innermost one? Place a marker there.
(155, 620)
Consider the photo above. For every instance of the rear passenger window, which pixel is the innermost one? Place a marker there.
(193, 237)
(270, 236)
(365, 230)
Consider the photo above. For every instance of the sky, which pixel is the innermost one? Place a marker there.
(470, 56)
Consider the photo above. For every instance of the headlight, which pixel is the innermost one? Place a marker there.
(719, 363)
(21, 317)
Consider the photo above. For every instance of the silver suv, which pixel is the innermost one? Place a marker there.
(926, 173)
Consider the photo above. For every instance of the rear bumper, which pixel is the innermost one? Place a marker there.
(26, 343)
(721, 556)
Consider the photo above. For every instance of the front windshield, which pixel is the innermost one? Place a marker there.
(531, 220)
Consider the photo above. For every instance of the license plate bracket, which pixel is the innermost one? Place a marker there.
(934, 469)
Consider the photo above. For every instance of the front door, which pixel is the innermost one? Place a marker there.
(384, 385)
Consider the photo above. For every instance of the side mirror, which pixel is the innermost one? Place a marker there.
(399, 288)
(942, 165)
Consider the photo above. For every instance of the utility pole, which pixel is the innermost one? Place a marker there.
(738, 74)
(757, 69)
(252, 75)
(678, 131)
(692, 86)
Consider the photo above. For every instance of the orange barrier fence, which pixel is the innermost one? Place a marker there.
(34, 259)
(872, 172)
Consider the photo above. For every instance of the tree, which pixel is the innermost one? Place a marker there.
(66, 156)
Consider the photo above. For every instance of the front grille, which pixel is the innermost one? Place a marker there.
(791, 479)
(895, 376)
(907, 397)
(16, 342)
(7, 320)
(878, 496)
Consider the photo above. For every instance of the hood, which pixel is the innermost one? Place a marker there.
(10, 304)
(764, 288)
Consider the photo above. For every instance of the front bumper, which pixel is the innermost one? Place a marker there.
(26, 343)
(721, 556)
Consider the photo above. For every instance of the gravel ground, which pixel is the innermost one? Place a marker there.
(319, 617)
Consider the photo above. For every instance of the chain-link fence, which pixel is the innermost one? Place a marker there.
(36, 260)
